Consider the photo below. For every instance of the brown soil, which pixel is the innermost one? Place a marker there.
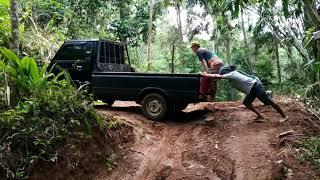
(213, 141)
(82, 159)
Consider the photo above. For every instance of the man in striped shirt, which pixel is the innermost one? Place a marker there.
(210, 62)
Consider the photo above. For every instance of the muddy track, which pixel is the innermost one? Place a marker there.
(212, 141)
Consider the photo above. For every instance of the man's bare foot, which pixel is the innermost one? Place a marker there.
(283, 119)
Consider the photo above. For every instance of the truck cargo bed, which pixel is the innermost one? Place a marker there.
(132, 86)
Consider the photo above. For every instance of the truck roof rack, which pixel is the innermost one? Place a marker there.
(86, 40)
(114, 42)
(80, 40)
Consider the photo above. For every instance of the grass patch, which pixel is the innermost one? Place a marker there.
(111, 161)
(311, 151)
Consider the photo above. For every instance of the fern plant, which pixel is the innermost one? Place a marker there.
(24, 72)
(22, 76)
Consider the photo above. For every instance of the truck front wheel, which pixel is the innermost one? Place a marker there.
(154, 106)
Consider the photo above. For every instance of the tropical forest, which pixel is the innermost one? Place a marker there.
(160, 89)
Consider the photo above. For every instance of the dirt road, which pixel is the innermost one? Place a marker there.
(213, 141)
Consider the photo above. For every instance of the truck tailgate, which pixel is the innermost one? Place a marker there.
(129, 86)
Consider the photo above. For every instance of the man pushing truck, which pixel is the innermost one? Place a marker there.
(252, 87)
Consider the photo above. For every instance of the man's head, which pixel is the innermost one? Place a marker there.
(225, 70)
(195, 45)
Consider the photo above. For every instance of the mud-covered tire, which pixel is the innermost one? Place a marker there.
(154, 106)
(109, 102)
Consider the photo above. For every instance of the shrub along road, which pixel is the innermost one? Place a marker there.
(215, 141)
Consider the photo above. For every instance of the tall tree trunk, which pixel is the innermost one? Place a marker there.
(311, 17)
(123, 16)
(243, 29)
(137, 55)
(228, 49)
(179, 23)
(292, 65)
(189, 23)
(311, 20)
(256, 52)
(248, 61)
(227, 35)
(178, 8)
(149, 50)
(215, 35)
(233, 93)
(172, 58)
(278, 32)
(7, 95)
(15, 26)
(276, 51)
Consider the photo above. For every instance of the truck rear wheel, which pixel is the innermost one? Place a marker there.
(154, 106)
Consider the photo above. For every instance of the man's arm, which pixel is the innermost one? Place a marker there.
(205, 65)
(218, 76)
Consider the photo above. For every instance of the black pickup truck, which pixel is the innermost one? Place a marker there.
(102, 65)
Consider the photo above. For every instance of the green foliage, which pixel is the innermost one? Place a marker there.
(114, 123)
(132, 23)
(24, 73)
(311, 151)
(47, 23)
(111, 161)
(239, 58)
(309, 36)
(35, 102)
(3, 86)
(38, 126)
(191, 63)
(224, 91)
(4, 22)
(287, 88)
(264, 69)
(313, 68)
(48, 112)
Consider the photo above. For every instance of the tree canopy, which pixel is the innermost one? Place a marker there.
(269, 38)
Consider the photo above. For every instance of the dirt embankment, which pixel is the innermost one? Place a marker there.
(83, 158)
(213, 141)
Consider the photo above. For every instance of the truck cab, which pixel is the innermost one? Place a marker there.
(81, 57)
